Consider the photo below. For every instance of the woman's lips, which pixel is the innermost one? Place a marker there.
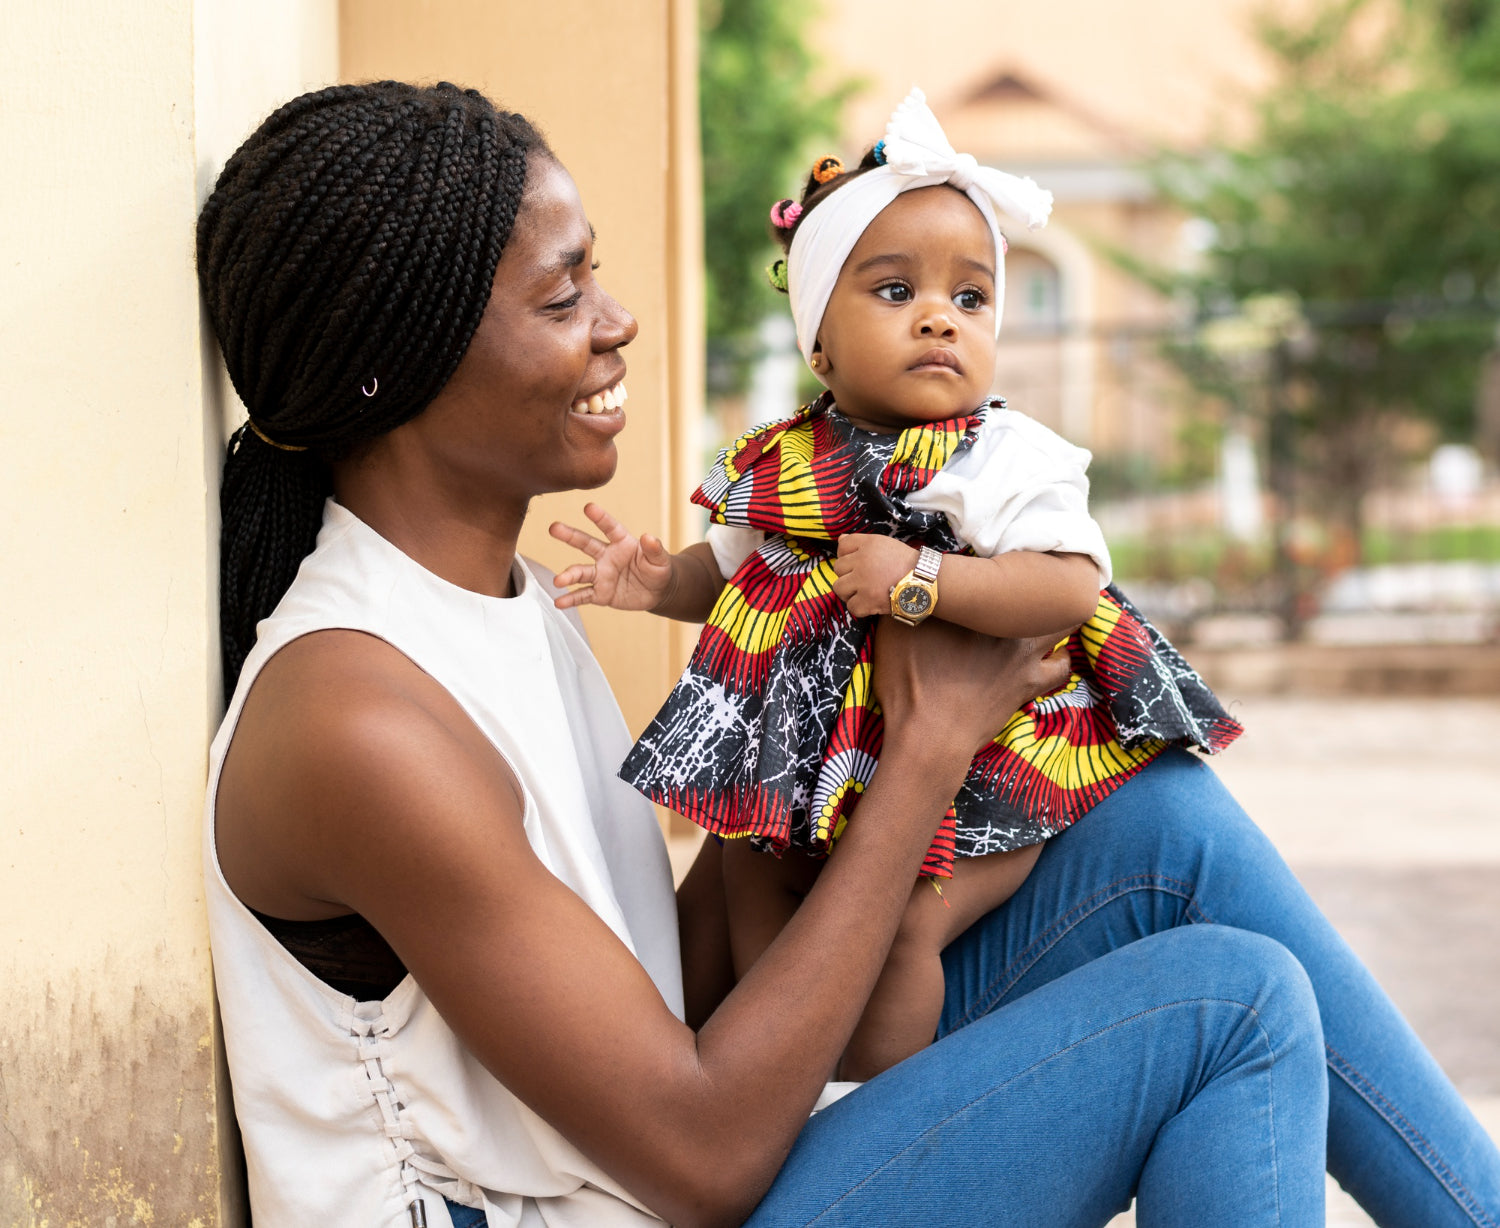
(938, 358)
(605, 402)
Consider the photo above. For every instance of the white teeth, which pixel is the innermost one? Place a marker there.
(601, 402)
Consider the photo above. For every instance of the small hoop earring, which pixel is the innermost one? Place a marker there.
(373, 389)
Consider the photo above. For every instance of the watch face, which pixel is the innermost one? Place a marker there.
(913, 600)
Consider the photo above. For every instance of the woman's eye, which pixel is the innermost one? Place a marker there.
(969, 300)
(895, 292)
(568, 303)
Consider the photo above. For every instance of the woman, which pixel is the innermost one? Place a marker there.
(446, 948)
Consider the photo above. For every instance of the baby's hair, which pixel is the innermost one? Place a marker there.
(345, 257)
(827, 176)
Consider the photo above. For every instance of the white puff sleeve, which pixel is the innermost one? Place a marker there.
(732, 545)
(1020, 487)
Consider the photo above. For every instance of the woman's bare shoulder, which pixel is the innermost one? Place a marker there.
(344, 751)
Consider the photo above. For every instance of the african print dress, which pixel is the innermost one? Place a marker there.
(772, 732)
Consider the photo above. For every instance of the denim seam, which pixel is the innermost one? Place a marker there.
(1420, 1145)
(995, 1091)
(1059, 929)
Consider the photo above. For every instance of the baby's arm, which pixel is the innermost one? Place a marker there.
(629, 573)
(1012, 595)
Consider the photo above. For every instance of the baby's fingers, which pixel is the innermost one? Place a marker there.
(655, 553)
(577, 596)
(607, 524)
(579, 573)
(576, 538)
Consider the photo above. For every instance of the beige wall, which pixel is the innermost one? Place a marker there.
(109, 1110)
(113, 407)
(613, 88)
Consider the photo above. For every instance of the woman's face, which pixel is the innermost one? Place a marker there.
(534, 405)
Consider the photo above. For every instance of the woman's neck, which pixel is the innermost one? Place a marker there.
(467, 541)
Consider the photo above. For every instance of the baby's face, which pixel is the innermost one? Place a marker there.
(909, 334)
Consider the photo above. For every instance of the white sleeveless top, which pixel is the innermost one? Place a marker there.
(351, 1111)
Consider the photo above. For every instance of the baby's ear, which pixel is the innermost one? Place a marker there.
(819, 361)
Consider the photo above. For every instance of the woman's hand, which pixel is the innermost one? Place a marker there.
(627, 573)
(939, 680)
(868, 565)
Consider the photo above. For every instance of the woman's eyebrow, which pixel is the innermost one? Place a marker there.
(569, 259)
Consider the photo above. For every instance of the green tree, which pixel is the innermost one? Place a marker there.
(1368, 207)
(761, 112)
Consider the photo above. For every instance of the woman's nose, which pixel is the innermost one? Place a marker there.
(616, 326)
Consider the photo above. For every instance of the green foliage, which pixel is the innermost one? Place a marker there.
(761, 113)
(1368, 207)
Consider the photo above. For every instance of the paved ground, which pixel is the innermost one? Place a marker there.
(1389, 810)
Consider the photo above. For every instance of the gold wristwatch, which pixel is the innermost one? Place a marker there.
(914, 596)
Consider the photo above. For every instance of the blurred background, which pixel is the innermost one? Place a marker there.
(1267, 302)
(1267, 299)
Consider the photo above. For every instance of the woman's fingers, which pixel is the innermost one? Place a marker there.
(958, 681)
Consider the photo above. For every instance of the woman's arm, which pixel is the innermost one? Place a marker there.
(1020, 593)
(630, 573)
(356, 783)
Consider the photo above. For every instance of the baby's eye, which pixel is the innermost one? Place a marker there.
(895, 292)
(970, 299)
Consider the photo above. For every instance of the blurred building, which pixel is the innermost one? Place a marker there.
(1076, 95)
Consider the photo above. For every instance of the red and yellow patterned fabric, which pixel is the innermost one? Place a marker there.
(773, 732)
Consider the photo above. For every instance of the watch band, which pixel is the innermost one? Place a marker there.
(928, 561)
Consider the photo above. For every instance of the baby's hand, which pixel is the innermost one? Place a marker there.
(626, 573)
(867, 566)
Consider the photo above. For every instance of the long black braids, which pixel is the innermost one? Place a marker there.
(345, 256)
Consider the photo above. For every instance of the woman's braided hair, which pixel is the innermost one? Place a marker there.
(346, 256)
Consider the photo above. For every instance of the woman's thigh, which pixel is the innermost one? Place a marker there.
(1171, 848)
(1186, 1069)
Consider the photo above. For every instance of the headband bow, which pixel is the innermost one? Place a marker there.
(917, 155)
(915, 144)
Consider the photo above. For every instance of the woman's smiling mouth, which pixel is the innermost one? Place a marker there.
(938, 358)
(608, 401)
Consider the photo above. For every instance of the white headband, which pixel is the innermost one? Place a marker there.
(917, 155)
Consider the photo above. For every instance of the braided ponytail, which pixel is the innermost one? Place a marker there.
(346, 257)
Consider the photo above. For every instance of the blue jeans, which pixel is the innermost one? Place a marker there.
(1150, 1016)
(1135, 1020)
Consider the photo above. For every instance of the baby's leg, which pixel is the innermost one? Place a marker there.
(902, 1014)
(761, 892)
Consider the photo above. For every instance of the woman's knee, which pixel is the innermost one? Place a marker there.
(1259, 974)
